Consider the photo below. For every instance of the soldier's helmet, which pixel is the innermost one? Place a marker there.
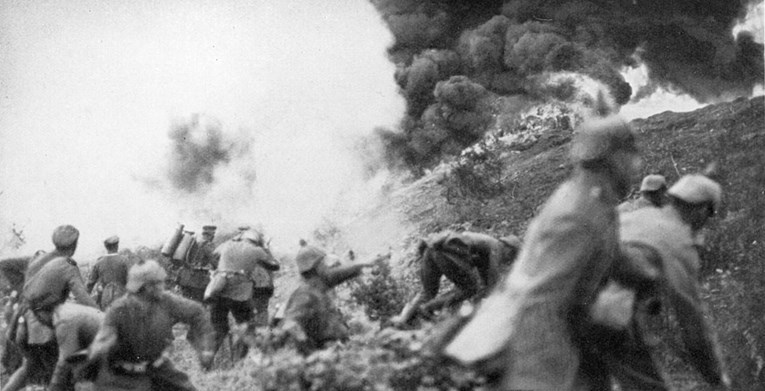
(308, 257)
(143, 273)
(697, 189)
(653, 182)
(65, 236)
(596, 139)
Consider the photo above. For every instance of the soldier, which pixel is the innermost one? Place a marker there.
(12, 272)
(129, 350)
(195, 273)
(109, 275)
(49, 280)
(76, 326)
(310, 315)
(472, 261)
(242, 281)
(534, 326)
(659, 243)
(653, 191)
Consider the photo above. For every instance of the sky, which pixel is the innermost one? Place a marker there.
(90, 89)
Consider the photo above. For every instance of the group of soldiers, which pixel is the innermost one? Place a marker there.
(565, 309)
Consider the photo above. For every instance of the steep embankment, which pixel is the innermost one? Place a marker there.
(673, 144)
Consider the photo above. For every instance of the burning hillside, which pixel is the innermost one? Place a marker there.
(453, 56)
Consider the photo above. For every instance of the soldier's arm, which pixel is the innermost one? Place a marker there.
(268, 261)
(68, 340)
(187, 311)
(637, 266)
(107, 336)
(339, 274)
(703, 350)
(92, 278)
(77, 287)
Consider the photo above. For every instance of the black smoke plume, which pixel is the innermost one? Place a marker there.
(198, 147)
(509, 48)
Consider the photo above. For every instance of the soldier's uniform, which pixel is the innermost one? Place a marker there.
(50, 279)
(245, 268)
(108, 276)
(662, 242)
(130, 347)
(536, 322)
(311, 315)
(75, 327)
(12, 271)
(194, 275)
(472, 261)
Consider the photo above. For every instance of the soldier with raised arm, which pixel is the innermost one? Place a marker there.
(311, 316)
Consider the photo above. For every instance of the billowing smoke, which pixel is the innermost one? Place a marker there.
(538, 50)
(197, 149)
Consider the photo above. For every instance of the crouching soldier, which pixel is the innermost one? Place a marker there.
(659, 243)
(472, 261)
(129, 351)
(241, 282)
(49, 280)
(311, 317)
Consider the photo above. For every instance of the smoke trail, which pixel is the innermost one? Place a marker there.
(517, 47)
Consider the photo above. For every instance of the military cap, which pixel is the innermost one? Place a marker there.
(653, 182)
(65, 236)
(308, 256)
(697, 189)
(143, 273)
(112, 240)
(209, 229)
(511, 240)
(598, 138)
(244, 227)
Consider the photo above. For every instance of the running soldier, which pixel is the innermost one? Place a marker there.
(129, 351)
(109, 274)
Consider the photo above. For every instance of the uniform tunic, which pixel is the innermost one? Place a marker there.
(136, 331)
(660, 239)
(311, 313)
(243, 265)
(194, 275)
(536, 317)
(472, 261)
(109, 277)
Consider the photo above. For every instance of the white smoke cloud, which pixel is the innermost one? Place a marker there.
(90, 89)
